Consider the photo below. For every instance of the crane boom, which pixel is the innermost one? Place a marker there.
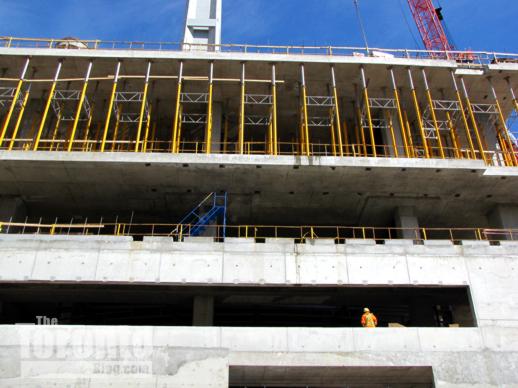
(429, 24)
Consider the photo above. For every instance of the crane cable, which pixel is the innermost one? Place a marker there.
(362, 28)
(417, 46)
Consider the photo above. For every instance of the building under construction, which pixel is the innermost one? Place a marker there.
(210, 215)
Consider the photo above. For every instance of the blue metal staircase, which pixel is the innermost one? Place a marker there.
(211, 211)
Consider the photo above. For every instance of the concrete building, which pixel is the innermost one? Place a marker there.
(330, 179)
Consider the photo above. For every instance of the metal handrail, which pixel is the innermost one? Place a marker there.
(474, 57)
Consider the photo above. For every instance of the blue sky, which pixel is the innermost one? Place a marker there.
(474, 24)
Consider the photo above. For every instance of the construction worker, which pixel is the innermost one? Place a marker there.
(369, 319)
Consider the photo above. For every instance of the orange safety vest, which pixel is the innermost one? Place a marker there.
(369, 320)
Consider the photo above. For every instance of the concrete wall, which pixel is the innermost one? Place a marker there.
(485, 356)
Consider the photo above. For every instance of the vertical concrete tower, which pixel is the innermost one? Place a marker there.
(203, 24)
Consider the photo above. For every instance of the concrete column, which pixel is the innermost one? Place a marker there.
(505, 217)
(12, 208)
(217, 134)
(405, 217)
(203, 311)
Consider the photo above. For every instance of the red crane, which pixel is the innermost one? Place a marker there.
(428, 20)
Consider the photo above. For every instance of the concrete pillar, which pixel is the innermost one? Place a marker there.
(505, 217)
(405, 218)
(203, 311)
(203, 25)
(217, 119)
(12, 208)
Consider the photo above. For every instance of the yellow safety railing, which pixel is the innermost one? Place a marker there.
(261, 232)
(473, 57)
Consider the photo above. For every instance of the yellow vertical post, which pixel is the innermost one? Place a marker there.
(177, 108)
(434, 116)
(208, 130)
(153, 136)
(337, 111)
(116, 129)
(332, 130)
(97, 134)
(418, 113)
(400, 114)
(362, 130)
(146, 132)
(393, 135)
(463, 115)
(47, 106)
(20, 117)
(241, 135)
(55, 132)
(305, 126)
(110, 106)
(454, 136)
(515, 101)
(179, 139)
(503, 124)
(14, 102)
(473, 121)
(368, 109)
(79, 107)
(143, 107)
(409, 133)
(274, 110)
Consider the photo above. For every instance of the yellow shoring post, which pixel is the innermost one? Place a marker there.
(434, 116)
(337, 111)
(179, 138)
(409, 135)
(146, 132)
(47, 107)
(14, 102)
(241, 135)
(473, 121)
(419, 116)
(116, 129)
(143, 107)
(177, 109)
(400, 114)
(368, 108)
(274, 110)
(55, 132)
(503, 147)
(332, 130)
(454, 136)
(513, 156)
(27, 145)
(225, 135)
(20, 117)
(87, 130)
(110, 106)
(362, 130)
(463, 115)
(208, 130)
(393, 135)
(346, 137)
(305, 122)
(270, 139)
(79, 106)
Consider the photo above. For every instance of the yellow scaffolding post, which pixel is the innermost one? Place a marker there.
(393, 135)
(400, 114)
(368, 108)
(503, 147)
(434, 116)
(418, 113)
(274, 110)
(146, 132)
(473, 121)
(454, 136)
(463, 115)
(143, 107)
(337, 111)
(87, 130)
(241, 136)
(179, 139)
(409, 134)
(97, 134)
(177, 108)
(503, 123)
(208, 134)
(47, 106)
(14, 102)
(116, 129)
(362, 130)
(110, 106)
(79, 107)
(305, 123)
(55, 132)
(20, 117)
(332, 130)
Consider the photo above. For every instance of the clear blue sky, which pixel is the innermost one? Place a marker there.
(474, 24)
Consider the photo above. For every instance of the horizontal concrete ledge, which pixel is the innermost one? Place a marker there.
(63, 237)
(218, 159)
(285, 340)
